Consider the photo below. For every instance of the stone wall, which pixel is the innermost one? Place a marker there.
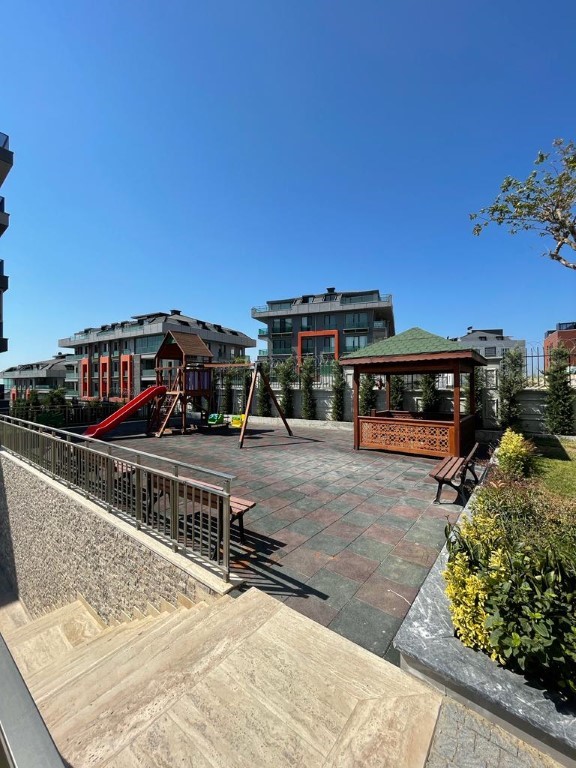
(55, 544)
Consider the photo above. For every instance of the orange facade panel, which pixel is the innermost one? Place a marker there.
(314, 334)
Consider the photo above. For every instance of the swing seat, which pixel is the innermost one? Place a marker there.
(237, 421)
(214, 419)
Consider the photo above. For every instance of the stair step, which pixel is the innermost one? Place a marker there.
(42, 641)
(126, 637)
(12, 617)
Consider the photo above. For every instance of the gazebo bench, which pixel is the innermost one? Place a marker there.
(452, 471)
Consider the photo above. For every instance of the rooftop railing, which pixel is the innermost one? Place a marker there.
(166, 498)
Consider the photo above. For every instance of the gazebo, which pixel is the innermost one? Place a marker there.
(425, 434)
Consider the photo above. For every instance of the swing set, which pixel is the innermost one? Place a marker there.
(183, 367)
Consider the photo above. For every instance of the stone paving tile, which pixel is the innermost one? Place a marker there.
(359, 519)
(306, 526)
(366, 626)
(416, 553)
(370, 548)
(305, 560)
(351, 565)
(314, 607)
(402, 571)
(384, 533)
(391, 521)
(388, 596)
(323, 542)
(337, 588)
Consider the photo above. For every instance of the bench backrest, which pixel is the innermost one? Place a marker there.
(468, 460)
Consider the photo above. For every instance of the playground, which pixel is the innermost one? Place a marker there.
(345, 537)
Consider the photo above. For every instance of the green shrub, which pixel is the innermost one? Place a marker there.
(397, 387)
(515, 455)
(511, 580)
(307, 371)
(368, 396)
(286, 376)
(264, 407)
(512, 382)
(430, 394)
(559, 413)
(338, 391)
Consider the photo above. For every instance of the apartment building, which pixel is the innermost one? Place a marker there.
(6, 162)
(116, 361)
(565, 334)
(42, 376)
(490, 343)
(324, 325)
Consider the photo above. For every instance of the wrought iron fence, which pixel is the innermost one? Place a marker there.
(188, 513)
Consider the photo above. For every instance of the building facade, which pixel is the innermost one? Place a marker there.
(491, 343)
(42, 377)
(565, 334)
(116, 361)
(6, 162)
(325, 325)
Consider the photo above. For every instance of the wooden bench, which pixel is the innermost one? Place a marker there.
(452, 471)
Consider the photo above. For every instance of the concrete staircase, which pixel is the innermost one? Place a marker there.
(245, 682)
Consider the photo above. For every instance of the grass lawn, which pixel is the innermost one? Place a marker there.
(556, 465)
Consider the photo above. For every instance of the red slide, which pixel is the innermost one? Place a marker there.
(119, 416)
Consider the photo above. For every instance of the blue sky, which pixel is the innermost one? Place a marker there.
(211, 156)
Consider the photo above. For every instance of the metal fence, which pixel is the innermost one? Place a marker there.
(189, 514)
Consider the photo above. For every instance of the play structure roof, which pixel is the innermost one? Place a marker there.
(183, 346)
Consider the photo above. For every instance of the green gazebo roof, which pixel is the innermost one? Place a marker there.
(414, 341)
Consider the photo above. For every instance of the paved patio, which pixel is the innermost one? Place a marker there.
(345, 537)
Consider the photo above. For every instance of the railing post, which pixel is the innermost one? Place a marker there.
(109, 479)
(138, 495)
(174, 503)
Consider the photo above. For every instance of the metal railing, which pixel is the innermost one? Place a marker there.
(164, 497)
(24, 739)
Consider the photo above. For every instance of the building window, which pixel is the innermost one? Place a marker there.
(329, 322)
(148, 344)
(482, 338)
(306, 323)
(281, 347)
(490, 352)
(355, 342)
(281, 325)
(308, 346)
(357, 320)
(328, 344)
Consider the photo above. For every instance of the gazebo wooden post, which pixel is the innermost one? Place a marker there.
(457, 409)
(388, 408)
(472, 391)
(355, 398)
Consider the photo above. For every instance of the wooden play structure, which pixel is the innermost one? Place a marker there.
(183, 367)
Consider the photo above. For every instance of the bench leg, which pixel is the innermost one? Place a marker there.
(438, 492)
(241, 529)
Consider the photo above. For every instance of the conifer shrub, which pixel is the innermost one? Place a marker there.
(264, 407)
(307, 372)
(512, 382)
(338, 391)
(397, 389)
(286, 373)
(368, 396)
(559, 413)
(430, 394)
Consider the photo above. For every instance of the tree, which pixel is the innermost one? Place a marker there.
(368, 395)
(264, 408)
(228, 392)
(512, 382)
(430, 394)
(397, 387)
(559, 413)
(338, 391)
(286, 376)
(544, 203)
(307, 371)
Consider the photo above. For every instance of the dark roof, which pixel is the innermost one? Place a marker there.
(414, 341)
(189, 344)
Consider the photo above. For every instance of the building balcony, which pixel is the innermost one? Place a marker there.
(262, 332)
(6, 157)
(4, 218)
(384, 305)
(71, 376)
(262, 353)
(355, 327)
